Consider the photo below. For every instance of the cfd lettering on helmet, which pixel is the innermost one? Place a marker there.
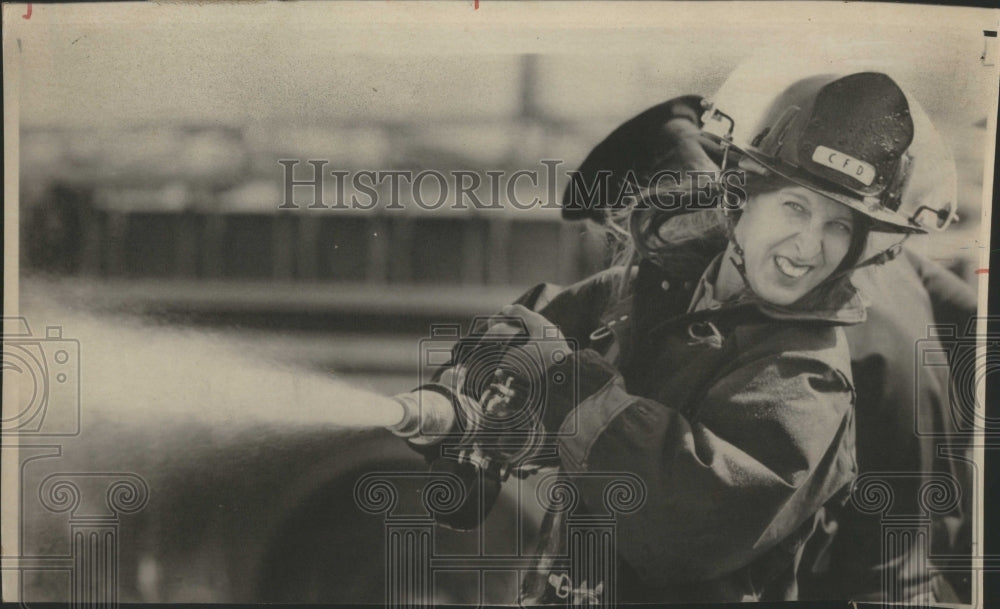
(845, 164)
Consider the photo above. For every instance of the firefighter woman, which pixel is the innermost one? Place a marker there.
(714, 367)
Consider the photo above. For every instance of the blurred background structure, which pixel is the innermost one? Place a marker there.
(166, 213)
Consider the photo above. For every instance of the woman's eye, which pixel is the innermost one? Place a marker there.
(843, 227)
(796, 207)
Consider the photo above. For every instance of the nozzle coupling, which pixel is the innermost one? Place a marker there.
(428, 415)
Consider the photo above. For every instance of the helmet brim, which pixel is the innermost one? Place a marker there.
(882, 219)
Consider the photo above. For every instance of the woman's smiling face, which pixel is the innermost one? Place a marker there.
(792, 240)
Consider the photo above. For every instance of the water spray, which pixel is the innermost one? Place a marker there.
(144, 378)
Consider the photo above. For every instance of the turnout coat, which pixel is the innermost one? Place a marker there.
(906, 297)
(738, 421)
(890, 399)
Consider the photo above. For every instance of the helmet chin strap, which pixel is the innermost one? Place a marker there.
(739, 260)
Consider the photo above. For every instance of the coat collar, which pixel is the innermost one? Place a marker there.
(848, 310)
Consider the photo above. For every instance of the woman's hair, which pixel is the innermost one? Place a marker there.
(683, 243)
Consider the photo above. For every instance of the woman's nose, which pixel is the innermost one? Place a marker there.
(809, 241)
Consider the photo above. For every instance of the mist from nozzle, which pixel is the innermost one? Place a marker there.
(132, 372)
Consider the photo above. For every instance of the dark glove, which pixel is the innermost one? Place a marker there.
(665, 136)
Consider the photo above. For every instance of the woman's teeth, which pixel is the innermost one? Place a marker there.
(789, 268)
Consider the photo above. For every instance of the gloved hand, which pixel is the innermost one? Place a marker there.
(542, 335)
(539, 367)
